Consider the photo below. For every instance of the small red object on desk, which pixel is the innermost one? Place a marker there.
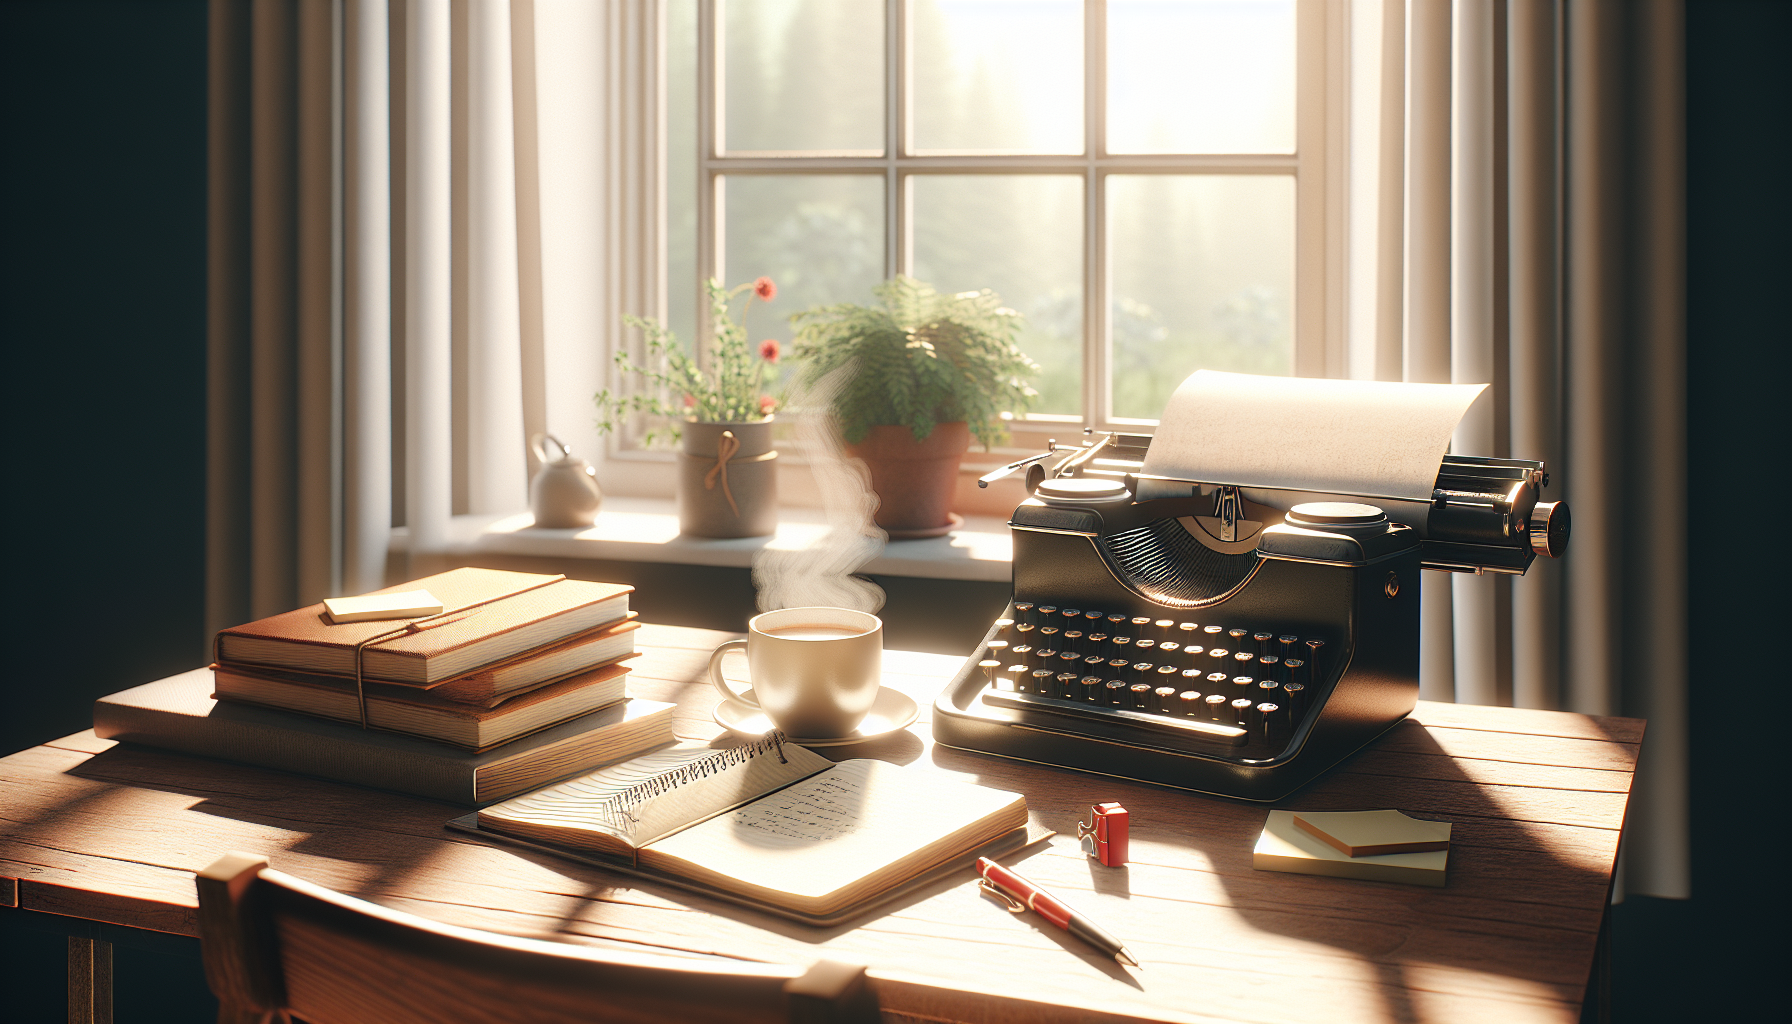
(1104, 834)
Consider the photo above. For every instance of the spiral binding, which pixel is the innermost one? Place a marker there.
(618, 811)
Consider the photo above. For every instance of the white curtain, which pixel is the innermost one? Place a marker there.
(426, 217)
(1516, 218)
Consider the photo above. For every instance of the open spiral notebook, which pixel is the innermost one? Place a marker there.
(769, 824)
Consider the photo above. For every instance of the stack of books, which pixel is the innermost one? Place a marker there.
(519, 681)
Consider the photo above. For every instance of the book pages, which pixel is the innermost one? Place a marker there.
(859, 827)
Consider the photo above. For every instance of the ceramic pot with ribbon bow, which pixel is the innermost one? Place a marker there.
(727, 480)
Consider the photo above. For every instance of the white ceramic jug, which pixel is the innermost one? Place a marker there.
(564, 493)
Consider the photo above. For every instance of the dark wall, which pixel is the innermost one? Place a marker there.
(1728, 943)
(102, 273)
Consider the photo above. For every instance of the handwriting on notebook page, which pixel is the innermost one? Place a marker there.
(818, 810)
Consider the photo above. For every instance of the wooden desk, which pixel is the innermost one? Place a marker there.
(113, 834)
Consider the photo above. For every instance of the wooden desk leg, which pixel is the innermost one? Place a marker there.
(1596, 1008)
(89, 981)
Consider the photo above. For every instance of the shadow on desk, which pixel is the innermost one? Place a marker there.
(1510, 876)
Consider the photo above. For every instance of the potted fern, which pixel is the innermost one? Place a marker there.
(926, 373)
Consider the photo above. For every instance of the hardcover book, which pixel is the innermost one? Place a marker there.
(491, 615)
(180, 714)
(418, 713)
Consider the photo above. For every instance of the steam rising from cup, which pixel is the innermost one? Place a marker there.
(822, 573)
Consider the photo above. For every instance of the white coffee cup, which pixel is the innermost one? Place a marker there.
(816, 671)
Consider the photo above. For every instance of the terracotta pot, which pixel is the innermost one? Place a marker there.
(736, 496)
(914, 480)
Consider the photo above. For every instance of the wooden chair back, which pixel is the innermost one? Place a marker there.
(278, 947)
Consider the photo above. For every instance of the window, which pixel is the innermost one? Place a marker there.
(1142, 179)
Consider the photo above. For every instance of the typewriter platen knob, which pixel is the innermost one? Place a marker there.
(1549, 528)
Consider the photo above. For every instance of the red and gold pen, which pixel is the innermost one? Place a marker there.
(1021, 894)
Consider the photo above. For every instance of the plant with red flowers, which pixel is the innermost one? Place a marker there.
(731, 386)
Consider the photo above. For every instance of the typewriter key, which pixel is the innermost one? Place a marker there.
(1268, 721)
(1116, 620)
(1047, 613)
(1143, 645)
(1167, 674)
(1294, 695)
(1070, 614)
(1213, 632)
(1188, 628)
(1004, 624)
(1119, 643)
(1141, 671)
(1269, 689)
(1024, 629)
(1165, 699)
(1096, 640)
(1023, 610)
(1215, 678)
(1039, 680)
(1265, 642)
(1141, 696)
(1244, 683)
(1241, 711)
(1244, 658)
(1169, 647)
(1014, 672)
(1293, 670)
(1092, 618)
(1191, 674)
(1021, 652)
(996, 647)
(1269, 666)
(1166, 628)
(1068, 659)
(1189, 703)
(1073, 639)
(1116, 693)
(1094, 662)
(1048, 635)
(1312, 647)
(1043, 656)
(1219, 653)
(1117, 667)
(1090, 688)
(1066, 686)
(1241, 638)
(1218, 707)
(1140, 623)
(1288, 646)
(989, 666)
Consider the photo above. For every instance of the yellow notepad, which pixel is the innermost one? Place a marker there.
(1285, 846)
(773, 822)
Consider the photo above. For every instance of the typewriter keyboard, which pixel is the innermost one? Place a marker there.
(1226, 684)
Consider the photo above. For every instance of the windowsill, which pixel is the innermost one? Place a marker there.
(646, 530)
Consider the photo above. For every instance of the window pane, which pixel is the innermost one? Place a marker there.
(819, 237)
(1201, 272)
(997, 75)
(1200, 76)
(681, 169)
(1021, 237)
(804, 75)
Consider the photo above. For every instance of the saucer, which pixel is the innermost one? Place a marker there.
(892, 710)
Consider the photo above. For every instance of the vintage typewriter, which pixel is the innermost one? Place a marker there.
(1196, 638)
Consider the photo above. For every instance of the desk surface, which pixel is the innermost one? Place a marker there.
(113, 833)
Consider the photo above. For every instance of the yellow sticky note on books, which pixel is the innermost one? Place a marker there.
(406, 604)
